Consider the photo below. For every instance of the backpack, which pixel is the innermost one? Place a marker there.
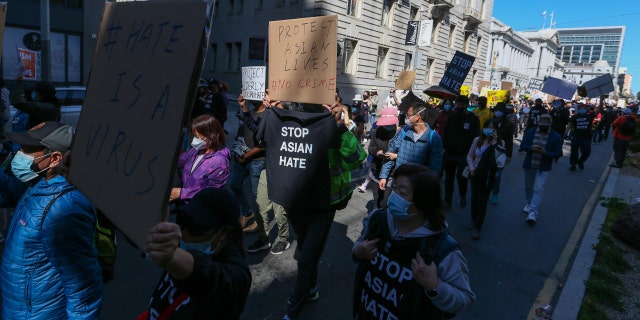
(628, 127)
(432, 248)
(104, 241)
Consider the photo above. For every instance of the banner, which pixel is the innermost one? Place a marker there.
(302, 59)
(411, 37)
(535, 84)
(29, 61)
(253, 82)
(600, 86)
(141, 88)
(405, 80)
(456, 73)
(426, 29)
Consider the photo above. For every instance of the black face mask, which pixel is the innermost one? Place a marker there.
(460, 110)
(544, 129)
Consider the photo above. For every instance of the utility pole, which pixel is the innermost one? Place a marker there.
(45, 42)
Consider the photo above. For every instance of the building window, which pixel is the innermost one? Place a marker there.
(387, 7)
(381, 62)
(259, 6)
(467, 41)
(237, 56)
(452, 36)
(414, 13)
(216, 8)
(430, 70)
(352, 7)
(231, 5)
(240, 5)
(229, 47)
(257, 48)
(349, 57)
(68, 3)
(436, 30)
(407, 61)
(478, 46)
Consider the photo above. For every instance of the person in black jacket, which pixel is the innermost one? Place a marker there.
(535, 113)
(505, 132)
(462, 127)
(559, 116)
(206, 275)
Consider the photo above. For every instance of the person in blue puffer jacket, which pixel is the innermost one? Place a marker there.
(49, 266)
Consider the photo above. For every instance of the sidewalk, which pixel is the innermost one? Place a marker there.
(620, 183)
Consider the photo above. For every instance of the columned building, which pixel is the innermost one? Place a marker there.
(371, 37)
(509, 57)
(543, 62)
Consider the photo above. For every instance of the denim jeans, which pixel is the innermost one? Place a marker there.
(534, 181)
(239, 173)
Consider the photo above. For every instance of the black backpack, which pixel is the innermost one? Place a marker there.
(628, 127)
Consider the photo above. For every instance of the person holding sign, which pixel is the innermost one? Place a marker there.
(206, 275)
(408, 266)
(45, 107)
(50, 266)
(206, 164)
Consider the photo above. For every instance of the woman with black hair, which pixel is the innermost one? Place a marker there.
(206, 274)
(44, 107)
(408, 264)
(483, 168)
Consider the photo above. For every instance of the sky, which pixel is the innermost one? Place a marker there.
(526, 15)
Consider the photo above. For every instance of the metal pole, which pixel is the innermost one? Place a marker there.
(45, 46)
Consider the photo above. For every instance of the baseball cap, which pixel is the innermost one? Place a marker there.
(211, 208)
(545, 119)
(52, 135)
(388, 116)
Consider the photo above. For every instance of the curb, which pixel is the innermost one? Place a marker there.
(570, 301)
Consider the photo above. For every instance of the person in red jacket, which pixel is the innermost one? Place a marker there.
(620, 139)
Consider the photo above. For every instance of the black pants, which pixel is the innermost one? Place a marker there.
(605, 130)
(312, 230)
(453, 166)
(583, 145)
(619, 151)
(479, 198)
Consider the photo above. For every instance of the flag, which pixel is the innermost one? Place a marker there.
(544, 13)
(551, 14)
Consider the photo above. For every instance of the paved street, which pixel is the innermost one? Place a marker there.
(509, 265)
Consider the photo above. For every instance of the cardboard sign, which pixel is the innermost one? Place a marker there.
(253, 82)
(506, 85)
(559, 88)
(495, 96)
(412, 33)
(426, 29)
(405, 80)
(29, 61)
(535, 84)
(302, 59)
(456, 73)
(600, 86)
(142, 84)
(3, 19)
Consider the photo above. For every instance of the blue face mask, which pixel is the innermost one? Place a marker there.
(21, 166)
(447, 107)
(398, 206)
(198, 143)
(498, 114)
(487, 132)
(582, 111)
(204, 247)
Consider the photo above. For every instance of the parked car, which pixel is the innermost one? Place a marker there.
(71, 100)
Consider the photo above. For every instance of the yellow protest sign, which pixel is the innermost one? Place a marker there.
(465, 90)
(495, 96)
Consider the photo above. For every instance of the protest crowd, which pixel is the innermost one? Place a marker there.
(297, 158)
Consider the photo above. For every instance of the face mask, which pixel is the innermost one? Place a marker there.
(543, 128)
(498, 114)
(389, 128)
(354, 110)
(21, 166)
(447, 107)
(198, 143)
(582, 111)
(487, 132)
(204, 247)
(398, 206)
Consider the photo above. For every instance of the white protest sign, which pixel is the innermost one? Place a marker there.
(253, 82)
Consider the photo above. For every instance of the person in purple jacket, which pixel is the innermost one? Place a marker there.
(207, 163)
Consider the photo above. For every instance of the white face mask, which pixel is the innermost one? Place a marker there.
(198, 143)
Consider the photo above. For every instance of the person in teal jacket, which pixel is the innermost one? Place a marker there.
(50, 267)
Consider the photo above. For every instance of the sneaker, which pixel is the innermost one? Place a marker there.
(280, 247)
(259, 245)
(614, 165)
(526, 209)
(313, 295)
(531, 218)
(494, 198)
(573, 167)
(463, 202)
(362, 189)
(581, 166)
